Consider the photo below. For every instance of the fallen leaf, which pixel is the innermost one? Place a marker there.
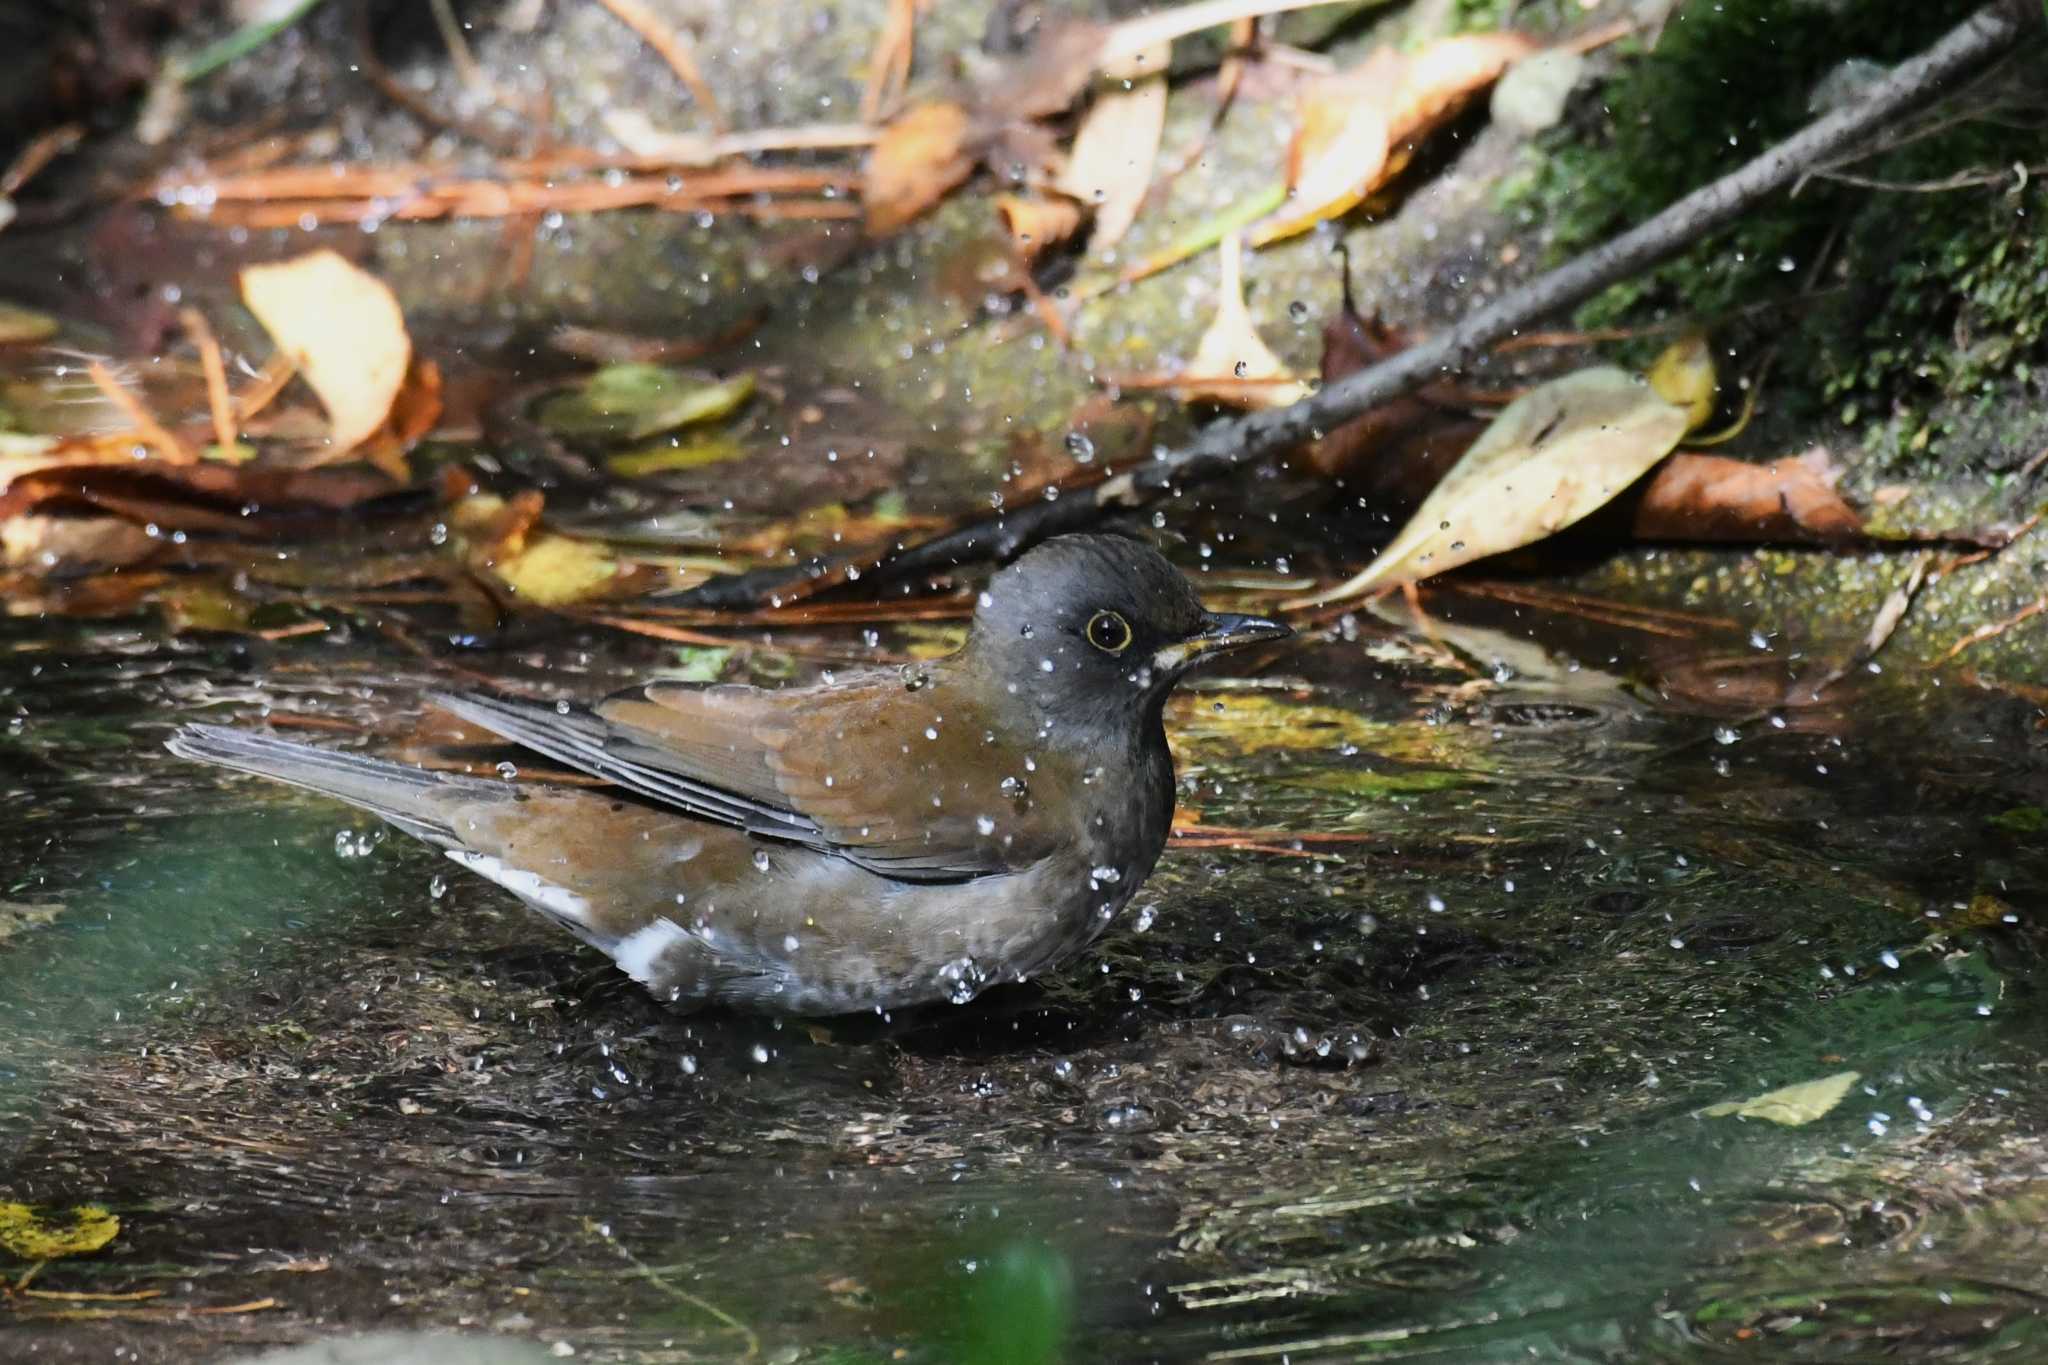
(1232, 359)
(22, 326)
(17, 916)
(1358, 128)
(634, 401)
(1110, 166)
(1037, 222)
(342, 328)
(677, 453)
(1792, 1105)
(46, 1235)
(1552, 456)
(59, 545)
(1683, 373)
(505, 541)
(1352, 343)
(1712, 497)
(1339, 150)
(921, 156)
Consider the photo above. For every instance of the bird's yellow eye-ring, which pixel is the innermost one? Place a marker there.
(1109, 632)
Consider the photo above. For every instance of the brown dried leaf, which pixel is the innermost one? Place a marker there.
(1712, 497)
(1356, 129)
(921, 156)
(342, 328)
(1110, 166)
(1035, 223)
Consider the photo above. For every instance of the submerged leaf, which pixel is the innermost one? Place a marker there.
(1791, 1105)
(45, 1235)
(342, 329)
(633, 401)
(23, 326)
(1554, 455)
(692, 452)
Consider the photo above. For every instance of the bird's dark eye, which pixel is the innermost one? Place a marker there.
(1109, 632)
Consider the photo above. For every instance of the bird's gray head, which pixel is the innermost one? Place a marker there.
(1096, 629)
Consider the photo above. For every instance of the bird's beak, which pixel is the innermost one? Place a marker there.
(1220, 631)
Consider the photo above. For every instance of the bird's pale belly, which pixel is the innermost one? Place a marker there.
(718, 917)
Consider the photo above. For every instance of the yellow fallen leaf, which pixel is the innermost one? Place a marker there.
(1339, 151)
(1554, 455)
(341, 326)
(21, 326)
(1791, 1105)
(1232, 359)
(45, 1235)
(1110, 166)
(555, 570)
(1684, 374)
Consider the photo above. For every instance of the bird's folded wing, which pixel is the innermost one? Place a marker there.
(924, 792)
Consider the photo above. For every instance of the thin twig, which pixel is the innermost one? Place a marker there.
(678, 1293)
(217, 401)
(673, 49)
(144, 421)
(40, 152)
(1229, 446)
(1995, 628)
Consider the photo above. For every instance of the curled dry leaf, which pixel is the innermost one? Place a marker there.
(921, 156)
(1339, 151)
(1356, 130)
(1036, 223)
(342, 328)
(1232, 363)
(1552, 456)
(1711, 497)
(1110, 167)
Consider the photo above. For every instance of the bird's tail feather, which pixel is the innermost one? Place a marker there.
(402, 795)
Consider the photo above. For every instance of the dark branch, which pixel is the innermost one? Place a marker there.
(1225, 447)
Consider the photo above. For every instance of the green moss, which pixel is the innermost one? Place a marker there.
(1928, 309)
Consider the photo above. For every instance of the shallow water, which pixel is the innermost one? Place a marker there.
(1427, 1086)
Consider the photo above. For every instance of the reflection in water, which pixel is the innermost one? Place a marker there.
(1418, 1075)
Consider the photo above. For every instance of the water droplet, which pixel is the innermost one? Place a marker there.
(790, 943)
(760, 1053)
(984, 826)
(1080, 447)
(1298, 311)
(1726, 734)
(1240, 369)
(761, 859)
(438, 887)
(1148, 915)
(508, 770)
(688, 1063)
